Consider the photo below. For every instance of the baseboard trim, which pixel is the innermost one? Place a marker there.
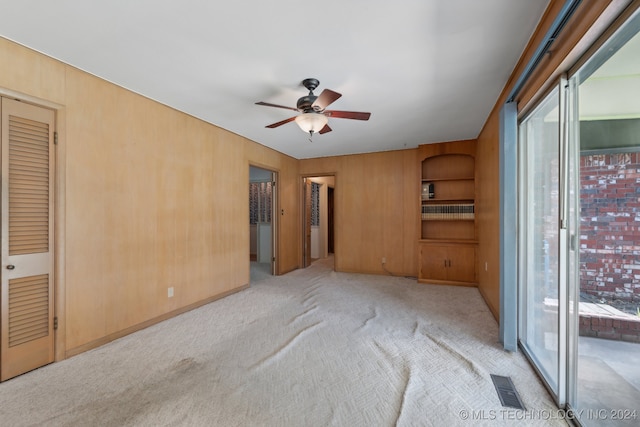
(448, 282)
(492, 309)
(114, 336)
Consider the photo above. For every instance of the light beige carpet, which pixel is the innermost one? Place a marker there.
(311, 348)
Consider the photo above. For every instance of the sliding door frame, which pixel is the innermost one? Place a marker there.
(558, 390)
(591, 29)
(616, 36)
(569, 214)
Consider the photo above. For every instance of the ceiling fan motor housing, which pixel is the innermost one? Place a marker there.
(305, 103)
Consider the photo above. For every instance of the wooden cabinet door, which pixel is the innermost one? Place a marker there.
(462, 263)
(447, 263)
(433, 262)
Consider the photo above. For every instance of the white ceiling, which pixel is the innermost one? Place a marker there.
(427, 70)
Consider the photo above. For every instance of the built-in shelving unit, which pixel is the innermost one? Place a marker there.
(447, 213)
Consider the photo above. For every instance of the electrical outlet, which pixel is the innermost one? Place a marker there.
(384, 260)
(170, 292)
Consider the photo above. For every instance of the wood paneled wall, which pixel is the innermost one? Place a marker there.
(376, 210)
(148, 198)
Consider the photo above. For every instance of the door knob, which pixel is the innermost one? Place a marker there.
(10, 267)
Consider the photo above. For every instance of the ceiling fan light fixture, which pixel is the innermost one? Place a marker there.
(311, 122)
(314, 115)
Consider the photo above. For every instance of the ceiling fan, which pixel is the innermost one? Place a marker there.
(314, 117)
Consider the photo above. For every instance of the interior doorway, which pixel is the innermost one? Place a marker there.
(318, 218)
(262, 223)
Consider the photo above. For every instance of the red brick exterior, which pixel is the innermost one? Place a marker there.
(610, 226)
(612, 328)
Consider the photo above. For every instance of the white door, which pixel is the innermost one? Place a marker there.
(27, 318)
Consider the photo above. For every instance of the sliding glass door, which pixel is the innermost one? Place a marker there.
(539, 271)
(579, 235)
(605, 344)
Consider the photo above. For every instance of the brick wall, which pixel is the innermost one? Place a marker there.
(610, 327)
(610, 226)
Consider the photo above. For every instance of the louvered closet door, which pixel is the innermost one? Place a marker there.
(27, 238)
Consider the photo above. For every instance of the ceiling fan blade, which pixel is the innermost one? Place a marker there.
(267, 104)
(356, 115)
(325, 99)
(325, 129)
(284, 122)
